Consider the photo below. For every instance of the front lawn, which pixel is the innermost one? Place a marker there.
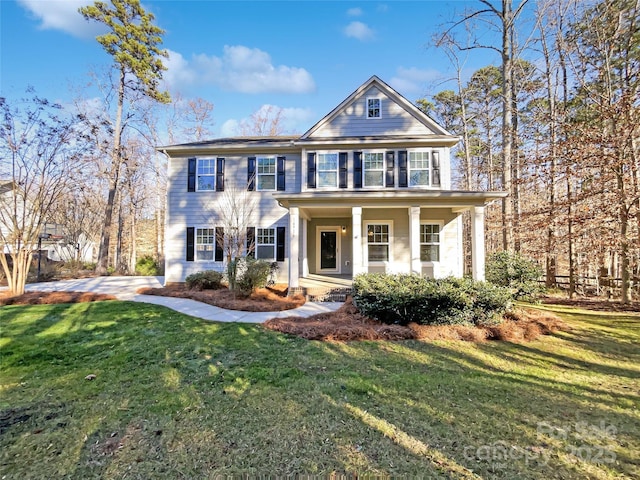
(176, 397)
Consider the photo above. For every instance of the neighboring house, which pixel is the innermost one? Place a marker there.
(366, 189)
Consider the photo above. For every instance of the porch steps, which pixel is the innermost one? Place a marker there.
(322, 294)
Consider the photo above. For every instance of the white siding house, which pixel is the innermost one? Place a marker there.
(366, 189)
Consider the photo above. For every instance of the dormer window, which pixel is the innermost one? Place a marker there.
(374, 108)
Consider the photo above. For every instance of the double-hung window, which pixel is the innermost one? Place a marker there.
(374, 108)
(206, 173)
(419, 169)
(205, 243)
(373, 166)
(424, 168)
(327, 169)
(266, 243)
(266, 173)
(430, 242)
(378, 242)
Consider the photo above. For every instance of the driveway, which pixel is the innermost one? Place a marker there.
(125, 288)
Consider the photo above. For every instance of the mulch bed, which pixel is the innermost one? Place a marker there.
(347, 324)
(597, 304)
(50, 298)
(270, 299)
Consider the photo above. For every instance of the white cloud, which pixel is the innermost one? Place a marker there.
(239, 69)
(63, 15)
(354, 12)
(412, 81)
(359, 31)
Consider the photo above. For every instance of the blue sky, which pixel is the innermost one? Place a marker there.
(302, 56)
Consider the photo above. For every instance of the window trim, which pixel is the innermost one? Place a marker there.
(440, 225)
(368, 110)
(197, 243)
(390, 242)
(274, 174)
(258, 244)
(382, 169)
(336, 170)
(211, 175)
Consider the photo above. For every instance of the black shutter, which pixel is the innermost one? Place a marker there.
(191, 177)
(280, 179)
(357, 169)
(220, 175)
(191, 240)
(435, 169)
(390, 178)
(342, 171)
(402, 169)
(280, 244)
(251, 173)
(251, 242)
(219, 253)
(311, 170)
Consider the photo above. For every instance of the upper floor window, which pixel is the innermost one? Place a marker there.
(374, 108)
(327, 170)
(373, 166)
(266, 243)
(424, 168)
(206, 174)
(266, 173)
(430, 242)
(205, 243)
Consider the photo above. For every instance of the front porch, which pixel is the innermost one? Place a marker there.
(338, 236)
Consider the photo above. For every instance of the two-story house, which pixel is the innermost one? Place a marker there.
(366, 189)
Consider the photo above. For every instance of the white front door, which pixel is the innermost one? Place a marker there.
(328, 250)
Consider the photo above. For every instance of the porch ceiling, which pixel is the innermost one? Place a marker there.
(341, 202)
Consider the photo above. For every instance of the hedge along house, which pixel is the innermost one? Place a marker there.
(366, 189)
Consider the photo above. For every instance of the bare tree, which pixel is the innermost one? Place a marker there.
(40, 152)
(265, 122)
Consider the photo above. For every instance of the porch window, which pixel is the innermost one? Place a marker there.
(206, 171)
(266, 243)
(374, 109)
(266, 173)
(430, 242)
(205, 243)
(373, 169)
(327, 169)
(378, 242)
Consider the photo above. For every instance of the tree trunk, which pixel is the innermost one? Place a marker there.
(507, 127)
(116, 161)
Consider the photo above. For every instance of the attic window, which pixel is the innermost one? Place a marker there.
(374, 108)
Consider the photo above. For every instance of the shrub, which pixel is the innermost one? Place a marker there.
(147, 266)
(208, 279)
(409, 298)
(515, 272)
(255, 275)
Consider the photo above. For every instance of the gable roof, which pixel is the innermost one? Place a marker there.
(374, 81)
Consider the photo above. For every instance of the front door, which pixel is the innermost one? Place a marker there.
(328, 249)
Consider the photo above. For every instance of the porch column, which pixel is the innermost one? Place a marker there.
(294, 242)
(414, 239)
(477, 243)
(304, 232)
(356, 228)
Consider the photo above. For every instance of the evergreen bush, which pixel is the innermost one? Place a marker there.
(409, 298)
(208, 279)
(516, 272)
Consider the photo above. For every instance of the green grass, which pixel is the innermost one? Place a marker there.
(176, 397)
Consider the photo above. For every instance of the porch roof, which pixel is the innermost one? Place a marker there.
(454, 199)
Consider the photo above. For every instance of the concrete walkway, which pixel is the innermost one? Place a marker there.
(125, 288)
